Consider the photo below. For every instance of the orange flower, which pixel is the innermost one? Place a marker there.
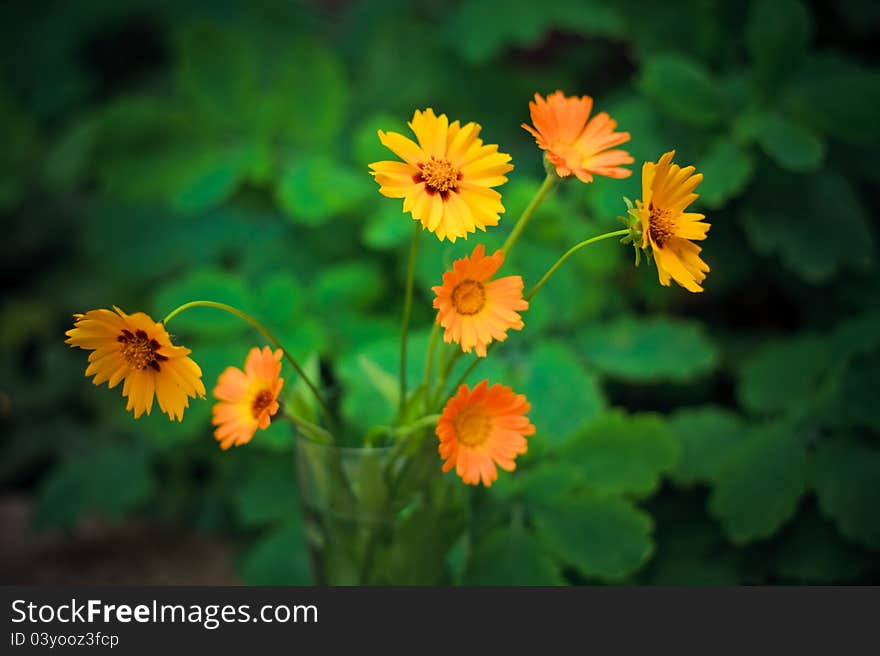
(667, 190)
(446, 178)
(574, 144)
(473, 309)
(247, 399)
(481, 428)
(138, 350)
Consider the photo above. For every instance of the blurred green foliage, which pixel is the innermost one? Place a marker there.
(156, 152)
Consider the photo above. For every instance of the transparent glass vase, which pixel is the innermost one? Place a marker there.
(379, 516)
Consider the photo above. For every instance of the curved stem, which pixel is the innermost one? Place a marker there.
(263, 331)
(546, 187)
(407, 310)
(467, 372)
(571, 251)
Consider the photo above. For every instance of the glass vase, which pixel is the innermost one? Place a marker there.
(379, 516)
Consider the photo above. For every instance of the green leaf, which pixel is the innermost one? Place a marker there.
(783, 374)
(217, 72)
(777, 34)
(708, 436)
(606, 538)
(649, 349)
(311, 93)
(791, 146)
(563, 395)
(854, 401)
(847, 481)
(265, 490)
(279, 558)
(110, 481)
(727, 168)
(347, 287)
(837, 96)
(813, 552)
(759, 488)
(691, 550)
(511, 556)
(481, 29)
(387, 227)
(623, 454)
(820, 229)
(316, 188)
(682, 88)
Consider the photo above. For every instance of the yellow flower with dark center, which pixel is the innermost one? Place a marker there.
(667, 190)
(473, 308)
(446, 178)
(247, 399)
(482, 428)
(138, 350)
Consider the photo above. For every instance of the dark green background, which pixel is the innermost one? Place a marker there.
(156, 152)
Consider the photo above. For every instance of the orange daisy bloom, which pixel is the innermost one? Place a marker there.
(473, 309)
(135, 349)
(247, 399)
(667, 189)
(574, 144)
(481, 428)
(446, 178)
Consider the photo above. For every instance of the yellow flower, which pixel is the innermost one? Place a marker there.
(446, 178)
(138, 350)
(575, 143)
(247, 399)
(667, 190)
(482, 428)
(473, 308)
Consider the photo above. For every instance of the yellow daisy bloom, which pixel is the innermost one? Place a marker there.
(446, 178)
(473, 307)
(667, 190)
(138, 350)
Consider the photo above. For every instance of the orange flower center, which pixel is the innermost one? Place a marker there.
(661, 226)
(469, 297)
(439, 175)
(261, 401)
(472, 426)
(139, 351)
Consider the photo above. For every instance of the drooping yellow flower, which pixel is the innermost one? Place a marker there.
(138, 350)
(667, 190)
(473, 308)
(482, 428)
(247, 399)
(446, 178)
(575, 143)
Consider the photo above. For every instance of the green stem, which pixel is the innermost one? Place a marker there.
(407, 310)
(265, 332)
(429, 364)
(571, 251)
(469, 370)
(546, 187)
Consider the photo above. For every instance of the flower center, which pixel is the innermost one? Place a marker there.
(139, 351)
(469, 297)
(661, 226)
(472, 426)
(439, 175)
(261, 401)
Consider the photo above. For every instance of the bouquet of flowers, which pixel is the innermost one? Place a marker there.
(388, 510)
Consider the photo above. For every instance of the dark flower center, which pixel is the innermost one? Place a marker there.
(139, 350)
